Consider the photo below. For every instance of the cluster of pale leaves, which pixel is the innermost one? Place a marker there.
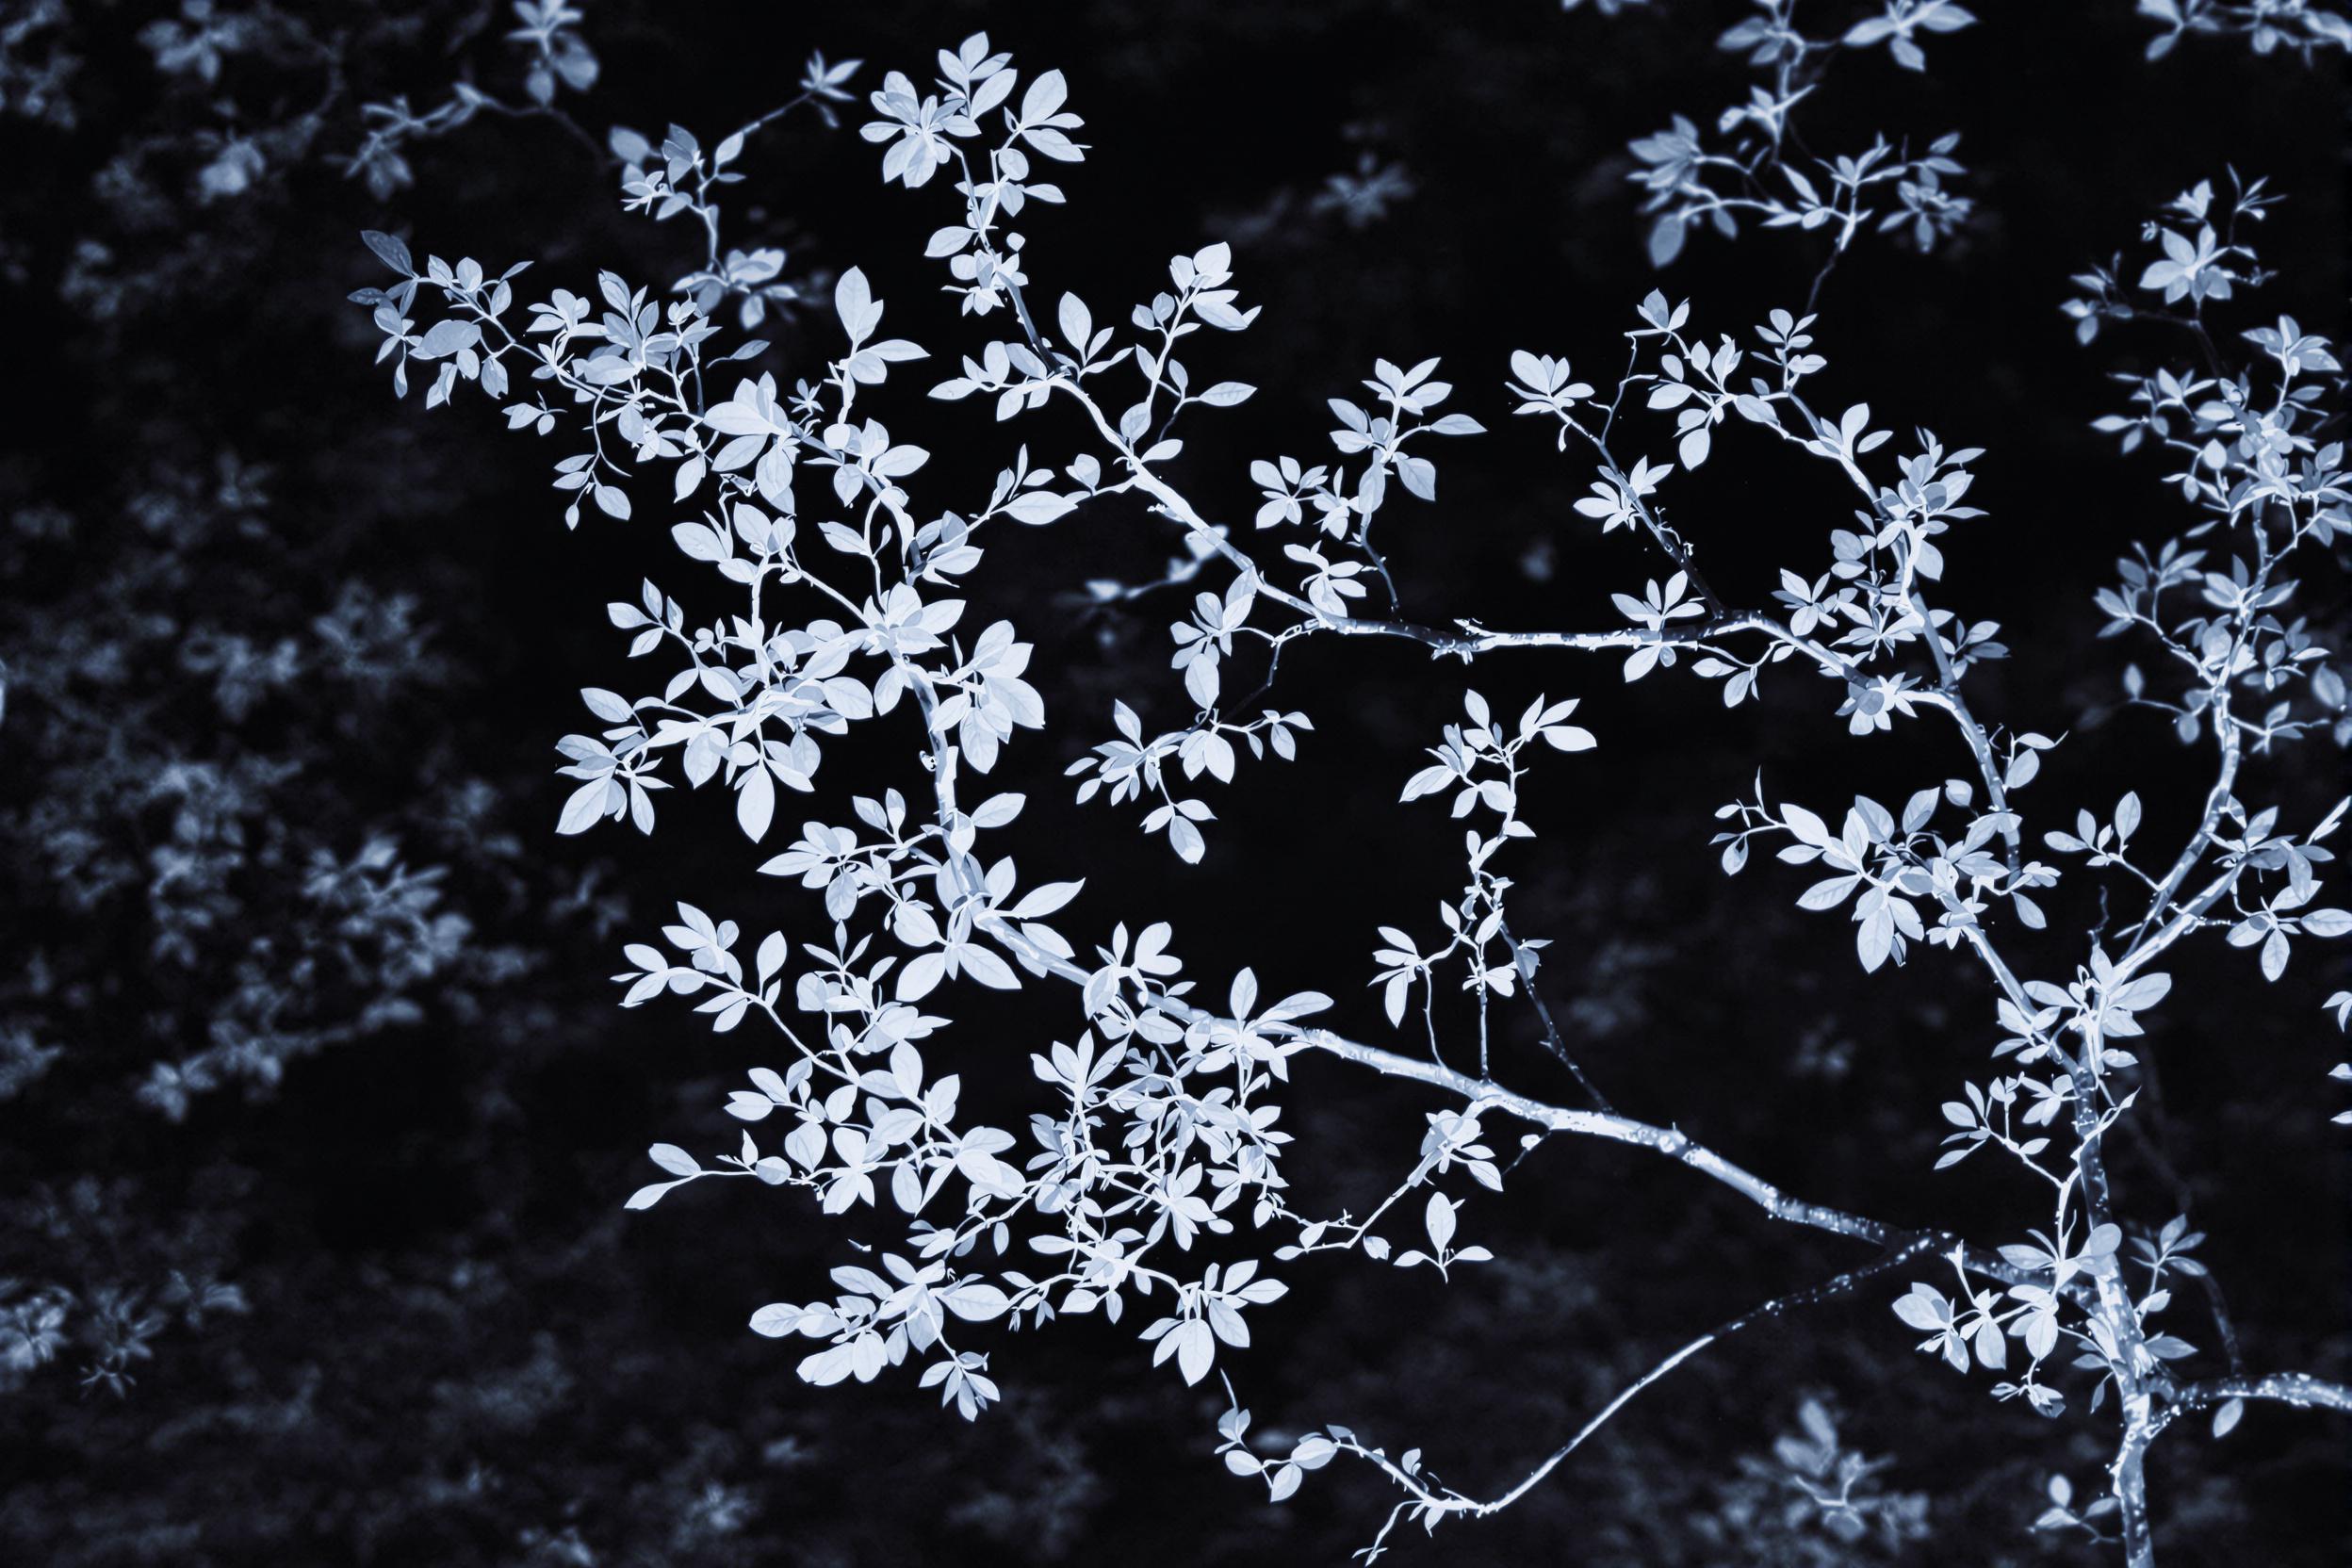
(1160, 1134)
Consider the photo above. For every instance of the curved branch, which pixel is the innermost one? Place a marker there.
(1436, 1504)
(2300, 1389)
(1484, 1094)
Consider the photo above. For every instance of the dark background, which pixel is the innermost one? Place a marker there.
(367, 1296)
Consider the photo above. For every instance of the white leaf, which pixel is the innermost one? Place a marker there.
(1439, 1218)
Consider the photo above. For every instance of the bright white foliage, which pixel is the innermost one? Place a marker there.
(1149, 1181)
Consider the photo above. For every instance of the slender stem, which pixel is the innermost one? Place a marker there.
(1524, 957)
(1437, 1502)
